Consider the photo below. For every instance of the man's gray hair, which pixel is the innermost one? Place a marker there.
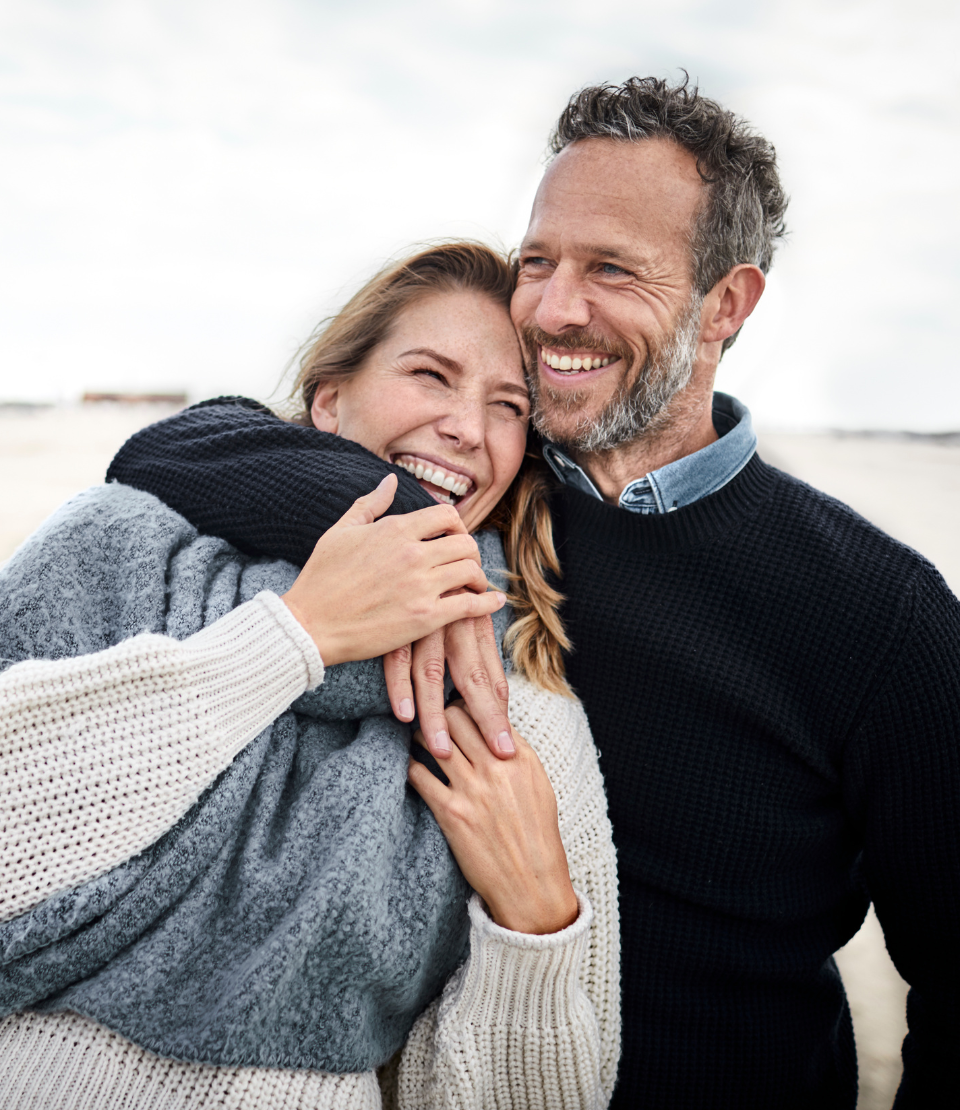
(742, 220)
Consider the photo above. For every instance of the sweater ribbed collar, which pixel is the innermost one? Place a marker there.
(692, 526)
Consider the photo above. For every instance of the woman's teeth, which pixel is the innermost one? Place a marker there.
(567, 364)
(444, 482)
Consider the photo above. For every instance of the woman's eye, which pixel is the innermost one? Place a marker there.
(435, 374)
(516, 409)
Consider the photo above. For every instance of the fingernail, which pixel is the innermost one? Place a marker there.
(505, 743)
(383, 481)
(441, 741)
(406, 709)
(502, 598)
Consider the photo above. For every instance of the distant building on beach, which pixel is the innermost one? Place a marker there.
(178, 399)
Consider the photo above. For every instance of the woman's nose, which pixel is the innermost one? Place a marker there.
(465, 423)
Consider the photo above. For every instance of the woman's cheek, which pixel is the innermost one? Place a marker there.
(507, 461)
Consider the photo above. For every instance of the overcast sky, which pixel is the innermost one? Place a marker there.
(188, 187)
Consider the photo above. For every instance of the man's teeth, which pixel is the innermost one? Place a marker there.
(436, 476)
(565, 362)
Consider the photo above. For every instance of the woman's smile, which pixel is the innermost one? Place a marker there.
(445, 482)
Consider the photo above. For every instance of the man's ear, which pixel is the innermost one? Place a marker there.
(730, 302)
(323, 411)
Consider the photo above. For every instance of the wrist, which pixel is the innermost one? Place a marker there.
(326, 650)
(538, 916)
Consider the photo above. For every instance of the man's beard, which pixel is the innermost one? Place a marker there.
(636, 411)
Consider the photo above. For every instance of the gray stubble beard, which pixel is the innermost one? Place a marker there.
(637, 412)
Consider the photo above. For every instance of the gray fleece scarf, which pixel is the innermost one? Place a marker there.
(307, 909)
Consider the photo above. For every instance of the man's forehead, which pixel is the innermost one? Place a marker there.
(598, 190)
(627, 164)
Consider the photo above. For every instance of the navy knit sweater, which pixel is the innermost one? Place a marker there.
(774, 687)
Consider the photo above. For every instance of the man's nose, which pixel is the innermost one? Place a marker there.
(563, 303)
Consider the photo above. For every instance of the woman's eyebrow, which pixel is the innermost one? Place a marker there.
(445, 361)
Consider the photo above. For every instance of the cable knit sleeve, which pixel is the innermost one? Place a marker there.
(102, 753)
(532, 1021)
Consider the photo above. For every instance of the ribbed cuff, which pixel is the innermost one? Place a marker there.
(521, 978)
(269, 654)
(300, 636)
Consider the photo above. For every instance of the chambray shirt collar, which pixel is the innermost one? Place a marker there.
(685, 480)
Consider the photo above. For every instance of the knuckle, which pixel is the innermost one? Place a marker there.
(478, 678)
(458, 810)
(478, 604)
(432, 670)
(467, 606)
(409, 555)
(502, 690)
(419, 606)
(402, 655)
(417, 613)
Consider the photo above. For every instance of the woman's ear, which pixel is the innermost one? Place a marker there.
(323, 411)
(730, 302)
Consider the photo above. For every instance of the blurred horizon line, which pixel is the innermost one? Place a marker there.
(171, 403)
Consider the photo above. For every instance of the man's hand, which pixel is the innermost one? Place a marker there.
(469, 647)
(370, 585)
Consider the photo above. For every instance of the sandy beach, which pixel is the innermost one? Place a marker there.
(910, 487)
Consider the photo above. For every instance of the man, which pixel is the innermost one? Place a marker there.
(773, 684)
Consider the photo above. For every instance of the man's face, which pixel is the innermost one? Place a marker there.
(605, 303)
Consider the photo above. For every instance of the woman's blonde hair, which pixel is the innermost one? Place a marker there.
(337, 349)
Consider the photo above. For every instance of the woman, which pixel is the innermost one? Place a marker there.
(434, 382)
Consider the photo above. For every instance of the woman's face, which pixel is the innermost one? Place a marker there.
(442, 396)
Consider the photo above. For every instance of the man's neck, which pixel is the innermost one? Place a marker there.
(689, 428)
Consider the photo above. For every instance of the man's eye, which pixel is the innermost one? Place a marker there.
(610, 268)
(535, 260)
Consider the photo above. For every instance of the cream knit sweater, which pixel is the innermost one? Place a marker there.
(101, 754)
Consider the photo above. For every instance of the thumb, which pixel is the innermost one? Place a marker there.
(366, 509)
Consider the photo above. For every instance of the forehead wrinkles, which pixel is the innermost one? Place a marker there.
(644, 197)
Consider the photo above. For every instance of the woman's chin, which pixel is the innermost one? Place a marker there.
(471, 514)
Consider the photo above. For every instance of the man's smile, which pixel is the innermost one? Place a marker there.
(567, 364)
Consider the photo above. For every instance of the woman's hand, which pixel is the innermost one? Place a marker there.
(500, 820)
(373, 585)
(469, 649)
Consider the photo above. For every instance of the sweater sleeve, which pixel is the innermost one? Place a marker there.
(235, 470)
(102, 753)
(533, 1021)
(902, 776)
